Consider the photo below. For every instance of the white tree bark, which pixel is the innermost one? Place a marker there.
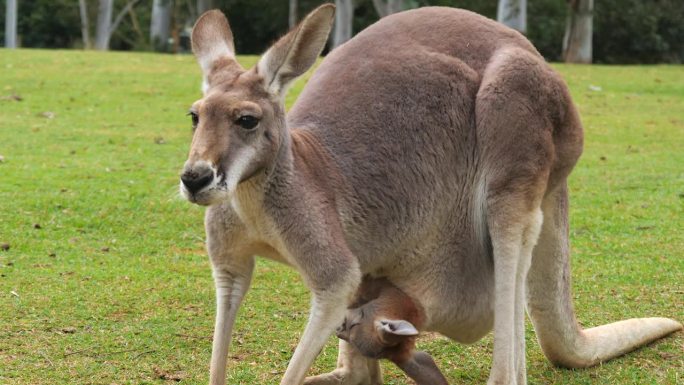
(388, 7)
(11, 24)
(160, 26)
(344, 16)
(292, 16)
(203, 6)
(577, 43)
(121, 15)
(104, 24)
(85, 26)
(513, 13)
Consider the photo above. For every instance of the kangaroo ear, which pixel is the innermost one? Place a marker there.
(212, 39)
(297, 51)
(391, 329)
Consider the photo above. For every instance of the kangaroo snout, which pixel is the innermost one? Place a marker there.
(342, 331)
(197, 177)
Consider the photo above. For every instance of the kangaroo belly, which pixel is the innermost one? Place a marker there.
(459, 301)
(452, 277)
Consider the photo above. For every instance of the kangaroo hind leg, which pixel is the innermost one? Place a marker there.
(514, 234)
(517, 152)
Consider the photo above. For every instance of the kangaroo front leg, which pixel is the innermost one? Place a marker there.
(327, 313)
(332, 274)
(231, 285)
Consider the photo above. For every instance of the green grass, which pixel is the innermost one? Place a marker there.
(115, 288)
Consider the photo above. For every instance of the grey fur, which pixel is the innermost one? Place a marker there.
(433, 150)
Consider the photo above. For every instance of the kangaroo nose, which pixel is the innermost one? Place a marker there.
(197, 179)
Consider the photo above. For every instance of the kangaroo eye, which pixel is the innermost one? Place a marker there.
(195, 119)
(247, 122)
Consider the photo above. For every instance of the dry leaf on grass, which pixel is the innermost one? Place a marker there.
(166, 375)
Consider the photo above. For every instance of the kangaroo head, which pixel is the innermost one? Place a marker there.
(239, 123)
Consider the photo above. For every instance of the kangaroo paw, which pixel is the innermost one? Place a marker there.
(341, 377)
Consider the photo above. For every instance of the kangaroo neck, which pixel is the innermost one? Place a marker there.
(302, 160)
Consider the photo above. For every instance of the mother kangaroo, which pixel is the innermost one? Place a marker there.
(432, 150)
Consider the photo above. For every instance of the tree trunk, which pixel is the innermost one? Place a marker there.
(513, 13)
(160, 27)
(577, 44)
(11, 24)
(292, 17)
(388, 7)
(104, 25)
(203, 6)
(85, 27)
(343, 22)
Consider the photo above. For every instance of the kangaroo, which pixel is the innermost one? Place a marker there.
(432, 149)
(381, 323)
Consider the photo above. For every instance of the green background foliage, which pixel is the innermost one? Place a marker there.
(106, 280)
(625, 31)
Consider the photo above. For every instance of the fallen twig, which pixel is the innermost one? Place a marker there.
(97, 355)
(194, 337)
(42, 353)
(76, 352)
(115, 352)
(143, 353)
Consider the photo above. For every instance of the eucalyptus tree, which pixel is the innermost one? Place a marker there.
(577, 43)
(344, 18)
(160, 24)
(513, 13)
(11, 24)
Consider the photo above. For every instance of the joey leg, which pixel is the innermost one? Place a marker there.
(422, 369)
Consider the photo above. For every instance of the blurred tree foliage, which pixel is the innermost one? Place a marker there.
(639, 31)
(625, 31)
(38, 25)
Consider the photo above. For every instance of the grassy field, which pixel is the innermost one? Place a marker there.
(106, 281)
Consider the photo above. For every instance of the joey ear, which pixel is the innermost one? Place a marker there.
(393, 330)
(297, 51)
(212, 39)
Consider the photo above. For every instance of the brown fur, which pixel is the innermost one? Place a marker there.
(378, 302)
(433, 150)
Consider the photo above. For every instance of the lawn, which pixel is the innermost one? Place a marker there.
(106, 280)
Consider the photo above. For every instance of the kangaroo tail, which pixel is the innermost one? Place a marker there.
(549, 300)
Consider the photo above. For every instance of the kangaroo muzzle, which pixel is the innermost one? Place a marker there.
(196, 177)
